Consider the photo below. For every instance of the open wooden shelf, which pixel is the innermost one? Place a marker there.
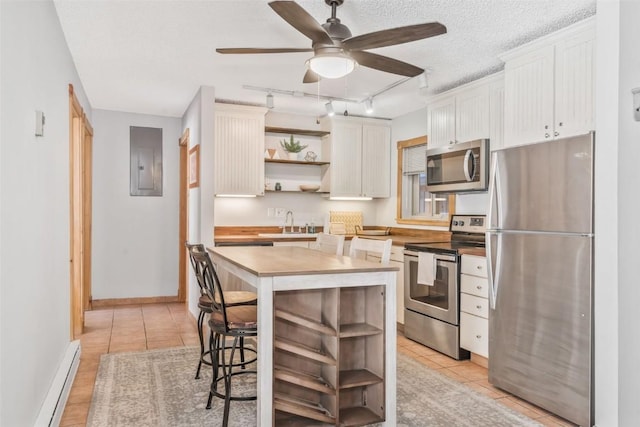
(303, 408)
(358, 416)
(304, 351)
(294, 162)
(358, 378)
(291, 131)
(305, 322)
(305, 380)
(358, 330)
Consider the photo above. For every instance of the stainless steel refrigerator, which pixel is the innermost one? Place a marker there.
(540, 259)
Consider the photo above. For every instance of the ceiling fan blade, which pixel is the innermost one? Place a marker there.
(310, 77)
(394, 36)
(261, 50)
(300, 19)
(384, 63)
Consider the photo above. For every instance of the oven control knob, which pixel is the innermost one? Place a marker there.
(455, 222)
(461, 223)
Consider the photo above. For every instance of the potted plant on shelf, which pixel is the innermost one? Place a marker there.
(292, 147)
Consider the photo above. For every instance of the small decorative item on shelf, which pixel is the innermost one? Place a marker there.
(278, 186)
(310, 157)
(292, 147)
(272, 152)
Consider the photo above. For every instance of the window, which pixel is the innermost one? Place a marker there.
(415, 204)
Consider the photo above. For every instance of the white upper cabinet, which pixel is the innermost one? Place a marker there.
(360, 156)
(472, 114)
(461, 114)
(376, 160)
(549, 86)
(238, 150)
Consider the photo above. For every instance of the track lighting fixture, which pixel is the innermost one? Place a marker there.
(423, 83)
(368, 105)
(269, 100)
(329, 107)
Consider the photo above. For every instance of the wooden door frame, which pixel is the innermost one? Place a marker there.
(80, 171)
(183, 227)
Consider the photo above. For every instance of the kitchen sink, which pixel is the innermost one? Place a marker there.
(289, 235)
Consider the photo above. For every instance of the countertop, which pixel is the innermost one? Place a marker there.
(399, 236)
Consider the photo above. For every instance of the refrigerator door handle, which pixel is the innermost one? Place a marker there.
(493, 253)
(493, 223)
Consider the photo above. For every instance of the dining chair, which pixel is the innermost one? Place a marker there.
(237, 321)
(204, 304)
(329, 243)
(359, 248)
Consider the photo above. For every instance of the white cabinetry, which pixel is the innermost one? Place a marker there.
(474, 305)
(238, 150)
(360, 157)
(464, 113)
(549, 86)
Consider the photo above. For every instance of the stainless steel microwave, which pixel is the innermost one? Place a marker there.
(458, 168)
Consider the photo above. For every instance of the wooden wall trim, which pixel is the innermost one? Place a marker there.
(109, 302)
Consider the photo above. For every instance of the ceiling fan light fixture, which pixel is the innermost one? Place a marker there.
(270, 104)
(332, 66)
(329, 107)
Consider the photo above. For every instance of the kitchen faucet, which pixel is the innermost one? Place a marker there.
(286, 220)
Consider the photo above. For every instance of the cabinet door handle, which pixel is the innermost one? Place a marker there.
(478, 336)
(546, 135)
(479, 267)
(556, 133)
(479, 307)
(479, 287)
(560, 124)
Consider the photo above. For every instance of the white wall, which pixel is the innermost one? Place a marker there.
(199, 120)
(36, 68)
(617, 294)
(629, 205)
(135, 239)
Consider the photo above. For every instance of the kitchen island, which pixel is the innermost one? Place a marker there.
(326, 334)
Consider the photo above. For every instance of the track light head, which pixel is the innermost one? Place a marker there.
(329, 107)
(270, 104)
(368, 106)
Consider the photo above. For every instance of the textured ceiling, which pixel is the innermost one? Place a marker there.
(152, 56)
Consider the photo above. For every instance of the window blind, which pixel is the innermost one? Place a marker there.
(414, 160)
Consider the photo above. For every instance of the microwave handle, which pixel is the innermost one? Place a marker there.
(467, 173)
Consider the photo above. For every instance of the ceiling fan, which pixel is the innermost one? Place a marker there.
(336, 51)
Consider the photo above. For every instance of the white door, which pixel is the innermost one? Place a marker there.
(472, 114)
(528, 98)
(574, 93)
(346, 159)
(441, 122)
(376, 160)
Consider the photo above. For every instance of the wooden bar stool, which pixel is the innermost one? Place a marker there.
(237, 321)
(232, 298)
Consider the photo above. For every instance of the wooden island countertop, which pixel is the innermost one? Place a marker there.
(291, 260)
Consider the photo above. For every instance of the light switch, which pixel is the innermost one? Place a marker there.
(39, 123)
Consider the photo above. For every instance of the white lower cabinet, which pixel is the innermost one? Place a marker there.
(474, 305)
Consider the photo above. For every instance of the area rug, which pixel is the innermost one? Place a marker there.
(157, 388)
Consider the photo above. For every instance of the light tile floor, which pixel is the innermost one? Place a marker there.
(151, 326)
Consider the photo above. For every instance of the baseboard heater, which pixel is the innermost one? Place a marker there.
(54, 403)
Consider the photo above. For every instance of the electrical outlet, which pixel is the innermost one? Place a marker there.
(280, 212)
(270, 212)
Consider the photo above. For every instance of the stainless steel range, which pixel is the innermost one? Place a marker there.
(432, 286)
